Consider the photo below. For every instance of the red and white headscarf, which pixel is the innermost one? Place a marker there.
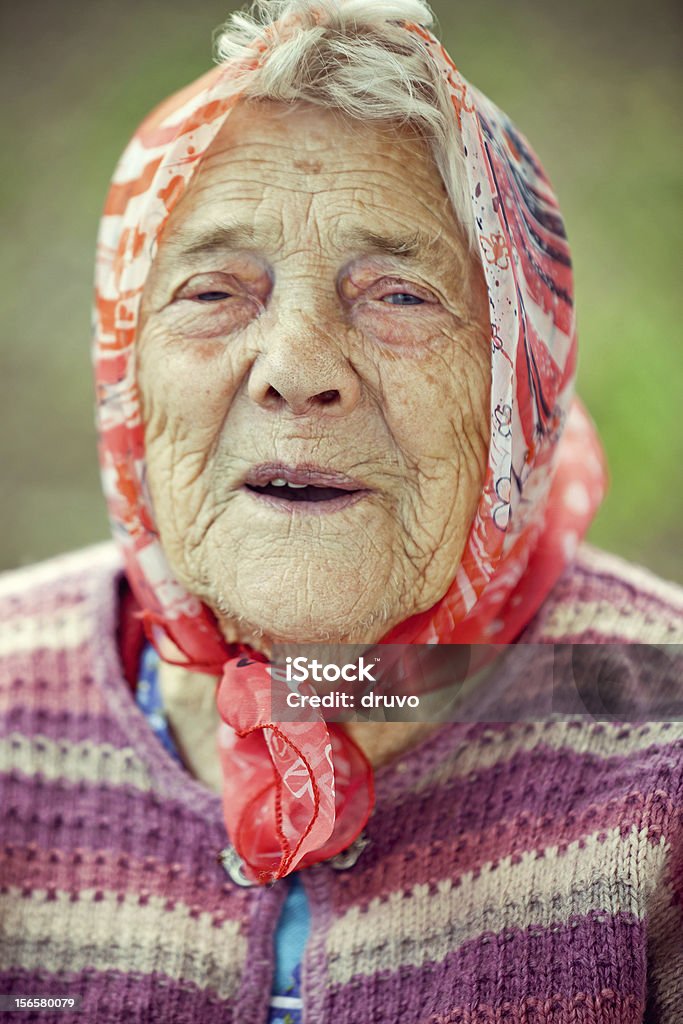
(293, 794)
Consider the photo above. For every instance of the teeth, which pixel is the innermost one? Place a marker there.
(279, 482)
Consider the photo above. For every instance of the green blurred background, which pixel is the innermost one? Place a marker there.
(595, 86)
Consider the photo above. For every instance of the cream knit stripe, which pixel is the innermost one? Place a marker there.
(61, 629)
(613, 874)
(60, 935)
(629, 625)
(666, 953)
(20, 581)
(596, 561)
(74, 762)
(433, 859)
(485, 749)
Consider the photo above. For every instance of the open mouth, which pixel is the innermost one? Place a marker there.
(299, 492)
(304, 487)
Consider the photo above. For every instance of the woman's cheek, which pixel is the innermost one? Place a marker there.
(191, 322)
(414, 331)
(186, 379)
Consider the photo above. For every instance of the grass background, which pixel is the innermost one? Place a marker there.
(596, 88)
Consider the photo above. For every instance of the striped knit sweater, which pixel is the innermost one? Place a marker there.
(515, 873)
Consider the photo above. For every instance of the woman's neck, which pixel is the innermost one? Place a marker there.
(190, 706)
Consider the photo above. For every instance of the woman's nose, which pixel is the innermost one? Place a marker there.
(306, 374)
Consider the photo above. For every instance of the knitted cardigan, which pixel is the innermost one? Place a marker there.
(516, 873)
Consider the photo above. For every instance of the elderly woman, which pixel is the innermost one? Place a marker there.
(335, 355)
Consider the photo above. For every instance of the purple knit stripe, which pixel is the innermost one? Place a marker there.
(449, 752)
(51, 680)
(472, 974)
(382, 872)
(606, 1008)
(110, 871)
(84, 808)
(112, 995)
(483, 803)
(542, 781)
(83, 814)
(253, 996)
(63, 724)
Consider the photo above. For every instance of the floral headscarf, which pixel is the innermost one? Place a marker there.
(544, 480)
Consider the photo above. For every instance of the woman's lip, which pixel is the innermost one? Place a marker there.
(302, 474)
(316, 508)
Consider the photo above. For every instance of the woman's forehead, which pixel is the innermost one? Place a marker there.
(313, 135)
(275, 170)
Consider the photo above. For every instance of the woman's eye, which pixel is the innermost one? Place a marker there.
(211, 296)
(402, 299)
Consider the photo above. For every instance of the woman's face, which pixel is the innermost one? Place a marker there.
(313, 315)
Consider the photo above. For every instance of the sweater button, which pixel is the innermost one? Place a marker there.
(234, 867)
(348, 857)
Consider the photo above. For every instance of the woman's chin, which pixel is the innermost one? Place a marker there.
(342, 595)
(277, 617)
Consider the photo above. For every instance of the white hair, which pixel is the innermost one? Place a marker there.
(354, 56)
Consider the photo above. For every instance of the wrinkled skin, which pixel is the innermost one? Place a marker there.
(300, 339)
